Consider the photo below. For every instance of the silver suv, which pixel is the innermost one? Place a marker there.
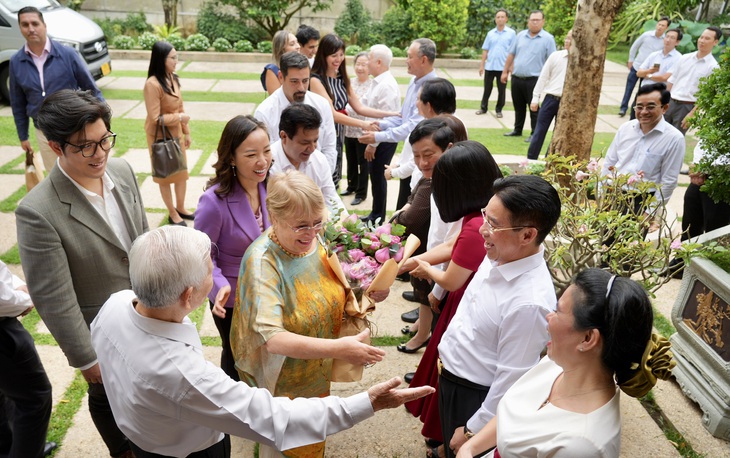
(64, 25)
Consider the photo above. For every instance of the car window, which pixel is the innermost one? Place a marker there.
(15, 5)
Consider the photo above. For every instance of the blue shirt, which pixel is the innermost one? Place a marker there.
(398, 128)
(531, 52)
(646, 44)
(497, 44)
(63, 69)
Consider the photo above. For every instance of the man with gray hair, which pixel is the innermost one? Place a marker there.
(419, 61)
(167, 398)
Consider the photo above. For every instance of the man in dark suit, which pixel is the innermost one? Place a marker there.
(75, 230)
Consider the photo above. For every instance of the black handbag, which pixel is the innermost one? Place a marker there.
(167, 156)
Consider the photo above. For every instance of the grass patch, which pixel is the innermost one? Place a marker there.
(193, 75)
(387, 341)
(11, 202)
(619, 53)
(211, 341)
(497, 143)
(11, 167)
(670, 431)
(12, 256)
(196, 316)
(190, 96)
(30, 323)
(62, 417)
(663, 324)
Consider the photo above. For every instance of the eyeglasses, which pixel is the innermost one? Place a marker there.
(491, 229)
(173, 58)
(651, 107)
(89, 149)
(317, 227)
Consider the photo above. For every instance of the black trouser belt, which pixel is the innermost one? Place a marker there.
(443, 372)
(554, 97)
(682, 102)
(525, 77)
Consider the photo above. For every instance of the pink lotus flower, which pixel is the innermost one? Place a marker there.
(592, 166)
(394, 239)
(382, 255)
(676, 244)
(399, 255)
(375, 245)
(384, 229)
(353, 218)
(581, 175)
(356, 254)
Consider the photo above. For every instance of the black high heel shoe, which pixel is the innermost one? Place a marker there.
(406, 331)
(404, 349)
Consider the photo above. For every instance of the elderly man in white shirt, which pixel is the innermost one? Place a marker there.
(166, 397)
(296, 149)
(685, 81)
(294, 78)
(500, 327)
(550, 84)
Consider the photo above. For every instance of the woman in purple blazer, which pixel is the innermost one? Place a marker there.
(232, 211)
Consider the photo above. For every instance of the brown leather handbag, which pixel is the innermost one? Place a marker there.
(167, 156)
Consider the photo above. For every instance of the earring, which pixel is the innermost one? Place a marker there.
(233, 167)
(580, 349)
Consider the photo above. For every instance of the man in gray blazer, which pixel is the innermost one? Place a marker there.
(75, 230)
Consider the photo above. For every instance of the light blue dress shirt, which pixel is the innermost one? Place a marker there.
(531, 52)
(398, 128)
(497, 44)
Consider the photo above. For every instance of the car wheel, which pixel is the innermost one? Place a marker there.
(5, 83)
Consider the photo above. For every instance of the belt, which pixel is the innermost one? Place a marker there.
(682, 102)
(556, 97)
(524, 77)
(443, 372)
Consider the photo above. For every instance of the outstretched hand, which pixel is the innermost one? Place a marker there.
(385, 396)
(354, 350)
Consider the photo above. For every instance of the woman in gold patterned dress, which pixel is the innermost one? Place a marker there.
(289, 305)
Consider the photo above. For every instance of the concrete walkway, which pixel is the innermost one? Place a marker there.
(392, 433)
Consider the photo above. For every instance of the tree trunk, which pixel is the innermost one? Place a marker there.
(169, 7)
(576, 121)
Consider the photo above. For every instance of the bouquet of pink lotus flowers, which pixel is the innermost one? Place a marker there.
(363, 258)
(363, 249)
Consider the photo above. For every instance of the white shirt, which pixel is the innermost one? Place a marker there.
(666, 62)
(525, 429)
(167, 399)
(384, 94)
(12, 301)
(646, 44)
(106, 206)
(500, 328)
(685, 80)
(439, 232)
(552, 76)
(659, 154)
(315, 168)
(269, 112)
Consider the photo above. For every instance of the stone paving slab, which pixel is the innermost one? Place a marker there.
(152, 198)
(11, 183)
(239, 86)
(8, 234)
(121, 108)
(10, 153)
(139, 159)
(207, 111)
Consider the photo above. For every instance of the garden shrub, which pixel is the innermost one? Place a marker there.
(394, 29)
(355, 24)
(197, 42)
(221, 45)
(398, 52)
(147, 40)
(133, 25)
(443, 22)
(243, 46)
(352, 50)
(176, 41)
(264, 47)
(123, 42)
(468, 53)
(217, 20)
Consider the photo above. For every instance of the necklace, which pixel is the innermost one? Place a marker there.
(275, 239)
(547, 401)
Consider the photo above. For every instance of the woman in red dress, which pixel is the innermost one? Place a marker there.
(462, 186)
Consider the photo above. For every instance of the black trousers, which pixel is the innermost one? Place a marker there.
(489, 77)
(25, 394)
(357, 167)
(458, 399)
(228, 364)
(376, 168)
(701, 214)
(221, 449)
(676, 113)
(548, 112)
(404, 191)
(521, 97)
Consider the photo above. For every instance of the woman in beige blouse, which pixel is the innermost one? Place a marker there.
(162, 98)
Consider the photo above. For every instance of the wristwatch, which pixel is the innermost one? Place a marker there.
(468, 434)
